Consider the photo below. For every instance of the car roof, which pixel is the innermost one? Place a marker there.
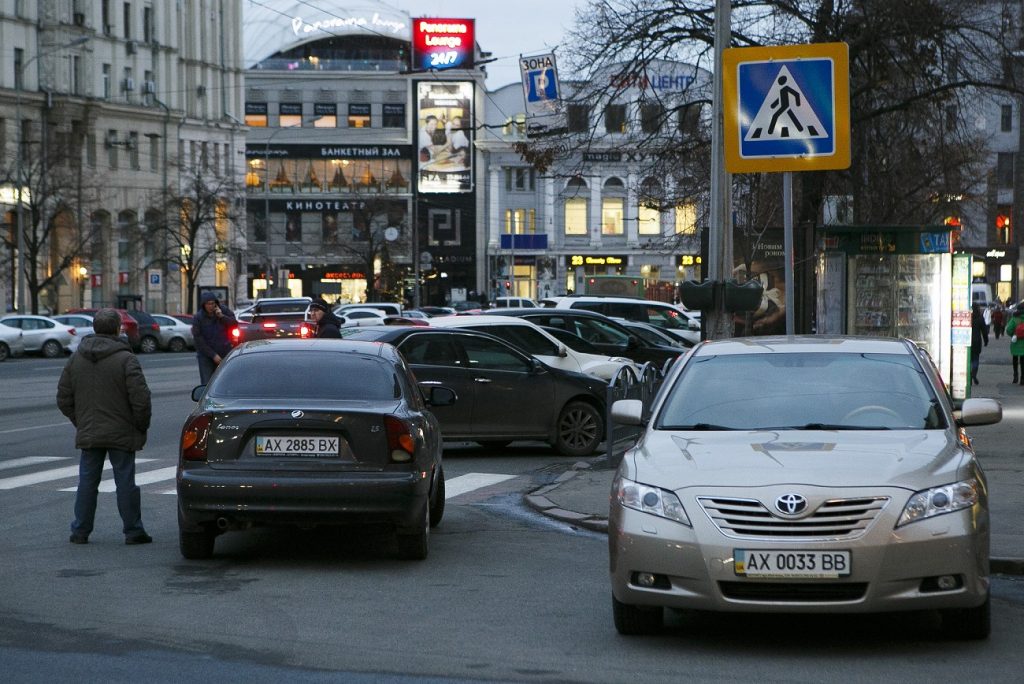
(482, 319)
(817, 344)
(294, 344)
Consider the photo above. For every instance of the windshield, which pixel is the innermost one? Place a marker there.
(802, 391)
(305, 375)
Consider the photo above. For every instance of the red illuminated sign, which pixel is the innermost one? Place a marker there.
(443, 43)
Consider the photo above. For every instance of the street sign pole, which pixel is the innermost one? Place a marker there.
(787, 231)
(716, 323)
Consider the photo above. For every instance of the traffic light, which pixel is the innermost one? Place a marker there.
(508, 285)
(1002, 221)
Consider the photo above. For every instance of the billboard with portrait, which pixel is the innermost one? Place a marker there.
(445, 137)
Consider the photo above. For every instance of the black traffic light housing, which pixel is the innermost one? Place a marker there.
(743, 297)
(699, 296)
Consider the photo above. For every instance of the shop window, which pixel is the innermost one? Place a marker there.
(293, 227)
(290, 114)
(256, 114)
(325, 115)
(576, 216)
(520, 221)
(611, 216)
(615, 118)
(329, 227)
(393, 116)
(648, 220)
(686, 219)
(359, 115)
(1006, 118)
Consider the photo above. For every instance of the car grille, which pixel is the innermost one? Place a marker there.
(794, 592)
(843, 518)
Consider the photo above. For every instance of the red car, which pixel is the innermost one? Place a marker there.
(130, 325)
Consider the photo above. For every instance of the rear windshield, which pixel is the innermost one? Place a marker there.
(802, 390)
(305, 375)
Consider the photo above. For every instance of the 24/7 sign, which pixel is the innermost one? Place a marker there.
(787, 108)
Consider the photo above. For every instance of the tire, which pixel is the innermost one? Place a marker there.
(4, 351)
(437, 500)
(494, 445)
(148, 344)
(415, 545)
(968, 624)
(196, 545)
(580, 429)
(177, 345)
(52, 349)
(636, 620)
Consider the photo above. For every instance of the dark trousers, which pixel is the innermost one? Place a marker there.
(129, 500)
(1018, 361)
(206, 368)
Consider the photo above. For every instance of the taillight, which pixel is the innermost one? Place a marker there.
(305, 331)
(236, 334)
(155, 326)
(401, 442)
(194, 438)
(269, 325)
(72, 331)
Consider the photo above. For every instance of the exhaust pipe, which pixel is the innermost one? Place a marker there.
(223, 524)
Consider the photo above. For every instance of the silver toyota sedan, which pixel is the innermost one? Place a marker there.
(802, 475)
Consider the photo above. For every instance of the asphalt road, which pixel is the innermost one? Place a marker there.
(506, 595)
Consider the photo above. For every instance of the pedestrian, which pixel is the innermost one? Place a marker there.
(998, 319)
(1016, 342)
(103, 392)
(327, 324)
(211, 330)
(979, 334)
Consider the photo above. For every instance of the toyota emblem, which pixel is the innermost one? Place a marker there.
(791, 504)
(297, 414)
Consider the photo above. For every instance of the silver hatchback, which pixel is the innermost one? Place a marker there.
(802, 474)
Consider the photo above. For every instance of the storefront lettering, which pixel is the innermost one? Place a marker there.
(334, 23)
(321, 205)
(586, 260)
(995, 254)
(653, 81)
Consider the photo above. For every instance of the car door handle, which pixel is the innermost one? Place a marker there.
(482, 380)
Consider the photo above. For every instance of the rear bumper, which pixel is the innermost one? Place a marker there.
(242, 497)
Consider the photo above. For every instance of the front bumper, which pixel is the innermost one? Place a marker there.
(891, 569)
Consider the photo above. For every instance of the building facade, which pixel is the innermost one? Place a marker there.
(110, 112)
(361, 166)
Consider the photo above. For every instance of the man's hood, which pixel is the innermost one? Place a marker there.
(208, 297)
(98, 347)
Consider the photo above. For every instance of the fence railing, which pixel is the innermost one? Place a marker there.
(626, 384)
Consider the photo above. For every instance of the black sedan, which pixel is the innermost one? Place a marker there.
(504, 394)
(611, 337)
(311, 432)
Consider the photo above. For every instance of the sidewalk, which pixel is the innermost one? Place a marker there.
(580, 495)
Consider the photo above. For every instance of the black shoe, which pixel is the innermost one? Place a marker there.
(976, 381)
(138, 539)
(79, 539)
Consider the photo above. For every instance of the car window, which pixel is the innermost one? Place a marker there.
(30, 324)
(666, 318)
(430, 350)
(772, 391)
(163, 320)
(13, 322)
(489, 355)
(599, 332)
(528, 339)
(287, 375)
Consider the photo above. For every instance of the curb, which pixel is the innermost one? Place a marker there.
(543, 505)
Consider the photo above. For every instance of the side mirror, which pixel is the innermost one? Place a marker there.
(441, 396)
(563, 351)
(628, 412)
(632, 342)
(197, 392)
(536, 366)
(980, 412)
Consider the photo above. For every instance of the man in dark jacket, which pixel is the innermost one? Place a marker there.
(211, 330)
(104, 393)
(327, 324)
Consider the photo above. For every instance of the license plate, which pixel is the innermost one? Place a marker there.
(770, 563)
(312, 447)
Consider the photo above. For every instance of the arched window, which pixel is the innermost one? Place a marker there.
(127, 237)
(613, 204)
(576, 206)
(649, 212)
(153, 236)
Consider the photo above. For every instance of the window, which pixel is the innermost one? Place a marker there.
(154, 152)
(393, 116)
(689, 119)
(290, 114)
(615, 118)
(76, 75)
(651, 116)
(359, 115)
(576, 216)
(326, 115)
(148, 33)
(112, 148)
(256, 114)
(951, 118)
(293, 227)
(686, 219)
(127, 83)
(515, 126)
(106, 81)
(105, 18)
(1004, 169)
(520, 178)
(611, 216)
(127, 20)
(19, 63)
(520, 221)
(1006, 118)
(133, 149)
(90, 150)
(578, 118)
(649, 220)
(329, 228)
(526, 338)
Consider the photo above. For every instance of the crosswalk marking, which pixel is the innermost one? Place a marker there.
(49, 475)
(29, 460)
(148, 477)
(467, 483)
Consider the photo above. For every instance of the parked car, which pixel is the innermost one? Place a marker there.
(149, 331)
(559, 407)
(129, 326)
(437, 310)
(82, 323)
(273, 305)
(361, 316)
(321, 432)
(43, 335)
(175, 335)
(11, 342)
(827, 475)
(385, 308)
(675, 320)
(531, 339)
(607, 336)
(513, 303)
(272, 325)
(653, 334)
(468, 305)
(187, 319)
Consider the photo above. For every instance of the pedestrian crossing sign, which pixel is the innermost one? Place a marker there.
(786, 108)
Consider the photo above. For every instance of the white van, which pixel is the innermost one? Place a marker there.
(981, 293)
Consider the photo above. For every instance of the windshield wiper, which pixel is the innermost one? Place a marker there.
(825, 426)
(698, 426)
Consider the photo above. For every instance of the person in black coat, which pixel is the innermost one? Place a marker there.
(211, 331)
(327, 324)
(979, 334)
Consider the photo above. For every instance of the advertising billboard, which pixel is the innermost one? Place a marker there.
(445, 138)
(443, 43)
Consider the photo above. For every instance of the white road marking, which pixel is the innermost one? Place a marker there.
(29, 460)
(49, 475)
(35, 427)
(467, 483)
(148, 477)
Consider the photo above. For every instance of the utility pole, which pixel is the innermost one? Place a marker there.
(717, 322)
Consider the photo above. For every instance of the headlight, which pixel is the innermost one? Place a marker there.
(939, 500)
(651, 500)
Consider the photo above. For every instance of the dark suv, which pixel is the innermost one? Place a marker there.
(141, 329)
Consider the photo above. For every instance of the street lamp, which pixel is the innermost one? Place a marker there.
(18, 152)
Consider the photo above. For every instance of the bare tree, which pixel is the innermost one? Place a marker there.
(380, 234)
